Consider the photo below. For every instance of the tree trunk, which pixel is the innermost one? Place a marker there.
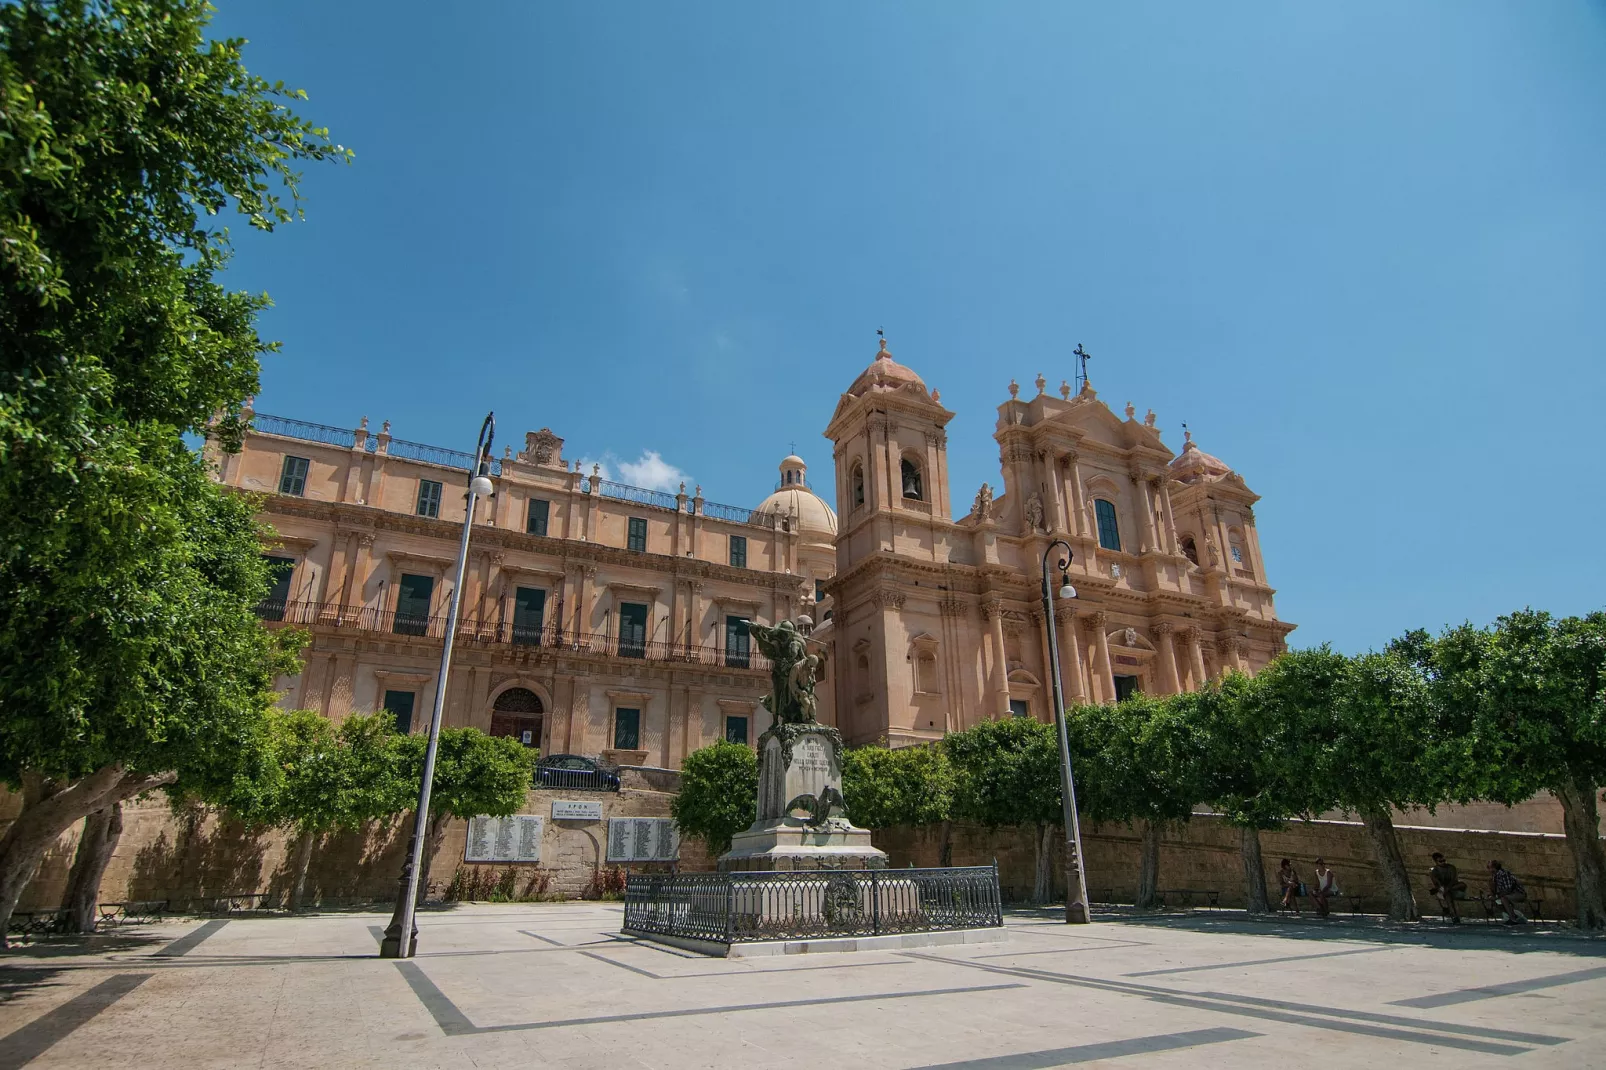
(101, 831)
(1390, 863)
(432, 842)
(1149, 870)
(1581, 819)
(1043, 890)
(49, 809)
(1255, 899)
(945, 853)
(301, 861)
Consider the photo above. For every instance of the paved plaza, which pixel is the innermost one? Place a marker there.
(554, 985)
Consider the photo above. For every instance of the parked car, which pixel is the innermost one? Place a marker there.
(576, 773)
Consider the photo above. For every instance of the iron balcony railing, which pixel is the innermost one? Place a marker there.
(727, 908)
(512, 636)
(738, 515)
(303, 430)
(306, 431)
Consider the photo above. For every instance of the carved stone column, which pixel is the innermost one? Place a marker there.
(1145, 512)
(993, 610)
(1106, 674)
(1078, 506)
(1070, 655)
(1161, 634)
(1195, 657)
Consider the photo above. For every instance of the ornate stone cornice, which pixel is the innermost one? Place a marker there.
(953, 607)
(993, 607)
(1164, 627)
(938, 438)
(889, 598)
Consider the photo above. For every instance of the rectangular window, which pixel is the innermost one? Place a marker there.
(1125, 687)
(1109, 528)
(1019, 707)
(429, 498)
(293, 476)
(736, 730)
(529, 613)
(535, 522)
(637, 538)
(626, 729)
(400, 704)
(738, 643)
(632, 630)
(413, 596)
(739, 551)
(278, 597)
(819, 590)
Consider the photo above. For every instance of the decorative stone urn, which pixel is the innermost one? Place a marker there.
(802, 820)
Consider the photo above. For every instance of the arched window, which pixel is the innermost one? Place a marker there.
(1189, 550)
(1109, 529)
(909, 472)
(858, 484)
(517, 713)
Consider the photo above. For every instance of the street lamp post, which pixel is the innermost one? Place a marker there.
(395, 946)
(1076, 911)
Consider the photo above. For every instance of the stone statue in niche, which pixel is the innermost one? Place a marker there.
(983, 506)
(1034, 512)
(1130, 637)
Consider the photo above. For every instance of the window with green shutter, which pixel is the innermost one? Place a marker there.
(736, 730)
(400, 704)
(280, 569)
(413, 594)
(739, 551)
(429, 498)
(636, 539)
(1109, 529)
(626, 729)
(293, 476)
(536, 521)
(632, 630)
(738, 643)
(529, 614)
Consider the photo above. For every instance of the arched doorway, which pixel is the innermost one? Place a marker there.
(517, 713)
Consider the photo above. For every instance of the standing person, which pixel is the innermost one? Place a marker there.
(1326, 887)
(1446, 885)
(1507, 891)
(1288, 880)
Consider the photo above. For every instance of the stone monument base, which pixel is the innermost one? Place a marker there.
(789, 845)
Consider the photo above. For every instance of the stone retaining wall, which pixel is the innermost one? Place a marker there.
(1204, 854)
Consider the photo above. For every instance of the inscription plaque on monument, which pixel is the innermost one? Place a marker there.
(643, 839)
(504, 839)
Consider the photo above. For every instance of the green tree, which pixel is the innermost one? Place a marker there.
(1245, 770)
(718, 794)
(910, 786)
(1007, 772)
(475, 775)
(129, 655)
(1533, 691)
(1140, 761)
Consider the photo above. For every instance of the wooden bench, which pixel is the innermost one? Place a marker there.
(117, 913)
(1184, 897)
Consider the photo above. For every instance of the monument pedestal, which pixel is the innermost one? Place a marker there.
(802, 823)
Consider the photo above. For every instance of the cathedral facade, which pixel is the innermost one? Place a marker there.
(612, 621)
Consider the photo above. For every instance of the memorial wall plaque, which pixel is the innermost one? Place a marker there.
(504, 839)
(643, 839)
(571, 810)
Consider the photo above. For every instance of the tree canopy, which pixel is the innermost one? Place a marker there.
(718, 794)
(908, 786)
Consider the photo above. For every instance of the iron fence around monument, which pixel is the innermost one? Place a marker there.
(728, 908)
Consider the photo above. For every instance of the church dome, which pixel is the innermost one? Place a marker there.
(884, 373)
(814, 519)
(1194, 464)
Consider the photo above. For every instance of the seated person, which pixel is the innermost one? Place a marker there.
(1507, 891)
(1446, 887)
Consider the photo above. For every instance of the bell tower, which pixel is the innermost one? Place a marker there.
(891, 453)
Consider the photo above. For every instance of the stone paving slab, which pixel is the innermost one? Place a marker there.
(555, 985)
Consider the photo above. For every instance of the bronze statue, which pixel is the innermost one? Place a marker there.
(792, 672)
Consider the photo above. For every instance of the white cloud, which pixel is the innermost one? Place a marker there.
(653, 472)
(650, 471)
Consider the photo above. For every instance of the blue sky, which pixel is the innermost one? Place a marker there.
(1360, 248)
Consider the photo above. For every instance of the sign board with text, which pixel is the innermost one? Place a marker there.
(504, 839)
(643, 839)
(573, 810)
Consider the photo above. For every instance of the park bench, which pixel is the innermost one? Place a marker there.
(116, 913)
(37, 922)
(1184, 897)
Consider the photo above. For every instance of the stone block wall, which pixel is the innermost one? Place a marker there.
(1204, 854)
(195, 854)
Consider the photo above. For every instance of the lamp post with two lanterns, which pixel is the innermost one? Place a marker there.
(401, 938)
(1076, 907)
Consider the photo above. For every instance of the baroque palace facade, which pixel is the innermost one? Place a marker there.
(612, 621)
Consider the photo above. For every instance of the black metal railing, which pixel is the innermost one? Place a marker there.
(737, 515)
(514, 636)
(727, 908)
(303, 430)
